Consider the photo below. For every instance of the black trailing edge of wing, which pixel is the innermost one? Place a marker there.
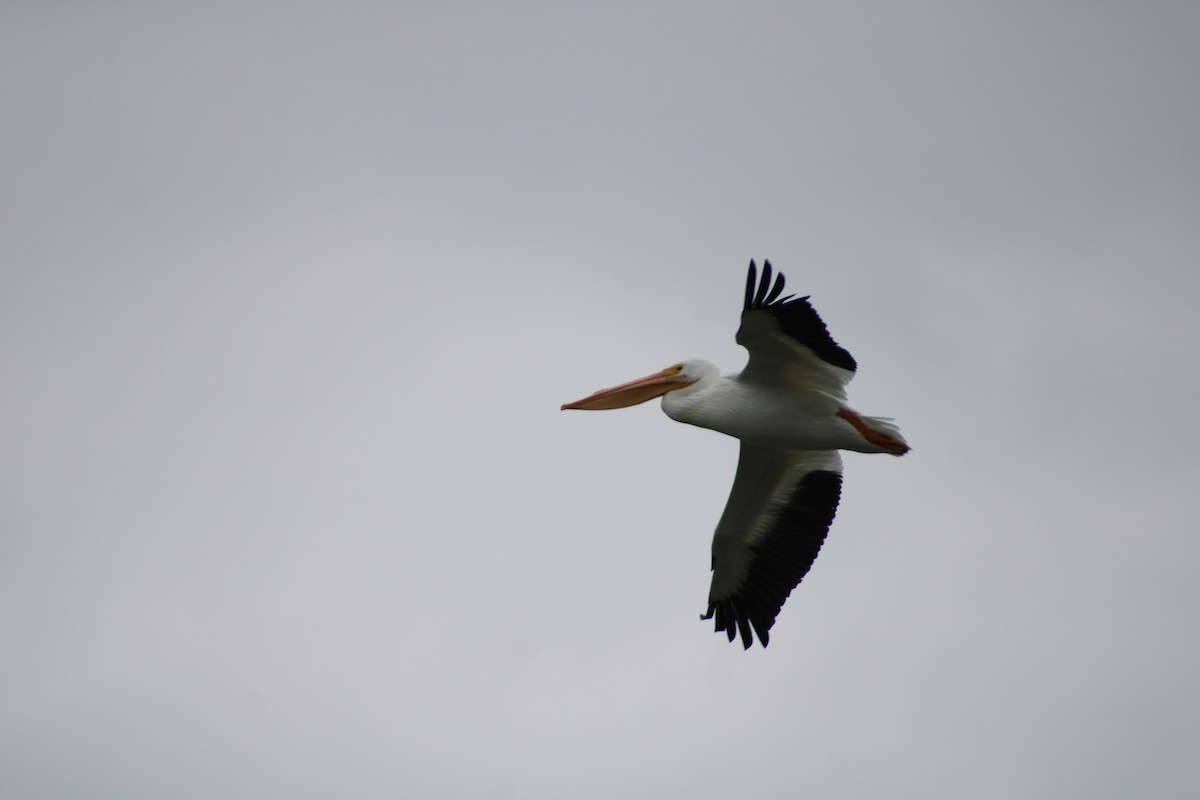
(780, 560)
(796, 317)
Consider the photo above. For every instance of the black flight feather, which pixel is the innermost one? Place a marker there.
(780, 560)
(796, 317)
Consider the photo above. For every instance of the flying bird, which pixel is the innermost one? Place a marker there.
(788, 408)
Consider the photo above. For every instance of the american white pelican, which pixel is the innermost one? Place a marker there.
(788, 408)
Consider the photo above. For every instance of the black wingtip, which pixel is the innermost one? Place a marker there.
(737, 620)
(765, 292)
(762, 629)
(751, 279)
(777, 289)
(795, 315)
(764, 285)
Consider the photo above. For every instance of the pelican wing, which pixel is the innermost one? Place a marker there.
(788, 342)
(779, 511)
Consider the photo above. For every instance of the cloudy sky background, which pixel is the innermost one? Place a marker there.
(290, 295)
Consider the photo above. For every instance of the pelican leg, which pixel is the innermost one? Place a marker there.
(883, 440)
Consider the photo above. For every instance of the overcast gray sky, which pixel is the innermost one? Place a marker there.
(290, 295)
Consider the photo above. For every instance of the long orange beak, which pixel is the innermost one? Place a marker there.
(632, 393)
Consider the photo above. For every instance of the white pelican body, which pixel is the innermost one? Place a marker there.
(786, 417)
(788, 408)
